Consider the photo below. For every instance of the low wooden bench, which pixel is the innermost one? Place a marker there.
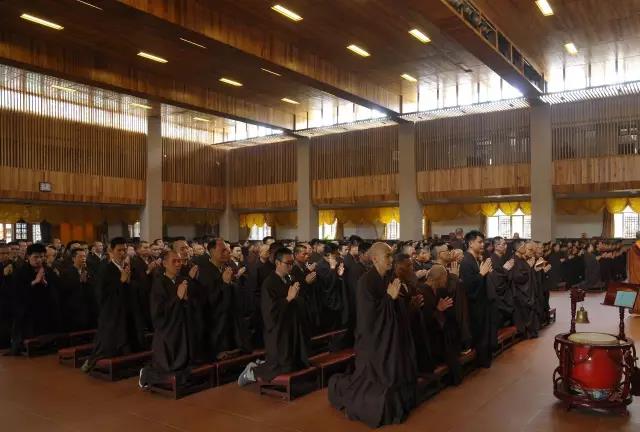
(76, 355)
(507, 337)
(291, 385)
(45, 344)
(332, 363)
(227, 371)
(467, 361)
(320, 343)
(116, 368)
(81, 337)
(200, 378)
(429, 385)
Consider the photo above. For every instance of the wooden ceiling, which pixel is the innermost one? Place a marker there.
(99, 47)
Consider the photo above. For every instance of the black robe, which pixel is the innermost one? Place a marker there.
(352, 276)
(499, 290)
(287, 340)
(592, 277)
(36, 308)
(458, 293)
(258, 272)
(141, 286)
(93, 262)
(382, 388)
(334, 303)
(524, 296)
(225, 328)
(481, 311)
(78, 300)
(310, 298)
(120, 328)
(6, 313)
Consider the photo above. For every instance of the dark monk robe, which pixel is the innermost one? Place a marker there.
(141, 286)
(120, 329)
(482, 323)
(310, 297)
(382, 388)
(334, 311)
(523, 280)
(352, 276)
(36, 307)
(460, 298)
(6, 313)
(286, 338)
(225, 329)
(499, 288)
(79, 305)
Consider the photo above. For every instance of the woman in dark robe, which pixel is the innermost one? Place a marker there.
(592, 277)
(382, 388)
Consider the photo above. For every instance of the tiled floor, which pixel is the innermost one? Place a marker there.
(514, 395)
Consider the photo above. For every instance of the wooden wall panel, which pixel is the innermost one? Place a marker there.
(267, 196)
(355, 167)
(474, 182)
(598, 174)
(193, 196)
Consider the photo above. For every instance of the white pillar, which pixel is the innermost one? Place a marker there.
(151, 220)
(307, 212)
(542, 202)
(410, 207)
(230, 221)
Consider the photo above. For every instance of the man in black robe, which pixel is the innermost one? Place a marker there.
(258, 272)
(95, 256)
(305, 274)
(6, 318)
(334, 309)
(482, 323)
(226, 332)
(177, 339)
(36, 303)
(77, 292)
(499, 289)
(286, 337)
(382, 388)
(524, 291)
(142, 269)
(120, 328)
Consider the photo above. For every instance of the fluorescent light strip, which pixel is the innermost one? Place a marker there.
(66, 89)
(89, 4)
(152, 57)
(419, 35)
(137, 105)
(291, 101)
(231, 82)
(544, 7)
(41, 21)
(408, 77)
(200, 119)
(193, 43)
(286, 12)
(356, 49)
(571, 48)
(271, 72)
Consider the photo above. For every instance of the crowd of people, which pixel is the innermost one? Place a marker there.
(406, 306)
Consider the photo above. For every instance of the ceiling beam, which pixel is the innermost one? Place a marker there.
(75, 63)
(271, 49)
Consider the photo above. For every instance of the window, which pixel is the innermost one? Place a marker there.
(21, 230)
(6, 232)
(328, 231)
(259, 232)
(134, 230)
(36, 235)
(393, 230)
(506, 226)
(626, 224)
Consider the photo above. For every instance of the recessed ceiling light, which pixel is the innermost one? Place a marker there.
(66, 89)
(571, 48)
(200, 119)
(152, 57)
(41, 21)
(193, 43)
(356, 49)
(291, 101)
(231, 82)
(408, 77)
(270, 71)
(419, 35)
(137, 105)
(544, 7)
(286, 12)
(89, 4)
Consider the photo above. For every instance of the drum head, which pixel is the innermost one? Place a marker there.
(593, 339)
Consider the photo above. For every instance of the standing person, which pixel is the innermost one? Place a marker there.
(472, 272)
(79, 305)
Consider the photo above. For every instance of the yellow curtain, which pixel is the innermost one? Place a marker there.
(365, 215)
(386, 215)
(288, 219)
(248, 220)
(326, 217)
(525, 206)
(616, 205)
(634, 203)
(488, 209)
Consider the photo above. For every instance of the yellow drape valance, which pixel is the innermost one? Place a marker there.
(58, 214)
(288, 219)
(441, 212)
(360, 215)
(591, 206)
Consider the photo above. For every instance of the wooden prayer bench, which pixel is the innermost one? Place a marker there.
(200, 378)
(429, 385)
(320, 343)
(507, 337)
(291, 385)
(332, 363)
(116, 368)
(227, 371)
(76, 355)
(81, 337)
(45, 344)
(467, 361)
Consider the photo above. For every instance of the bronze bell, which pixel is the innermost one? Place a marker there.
(582, 317)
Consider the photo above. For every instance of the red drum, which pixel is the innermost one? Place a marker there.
(597, 366)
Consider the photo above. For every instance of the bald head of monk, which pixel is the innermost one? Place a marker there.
(381, 256)
(437, 277)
